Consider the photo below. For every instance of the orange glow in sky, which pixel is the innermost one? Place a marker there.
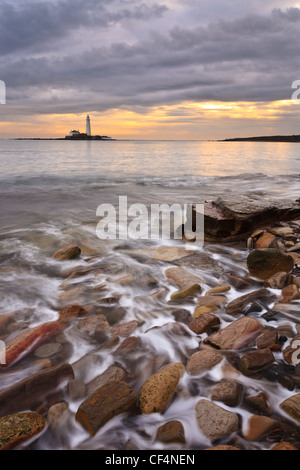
(188, 120)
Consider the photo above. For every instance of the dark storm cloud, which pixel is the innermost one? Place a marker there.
(250, 58)
(23, 25)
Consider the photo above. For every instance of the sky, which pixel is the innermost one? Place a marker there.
(149, 69)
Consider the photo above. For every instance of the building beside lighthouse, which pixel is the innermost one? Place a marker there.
(77, 135)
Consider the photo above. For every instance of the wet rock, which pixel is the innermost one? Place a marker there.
(285, 331)
(204, 310)
(173, 431)
(76, 389)
(85, 365)
(34, 389)
(29, 340)
(230, 373)
(212, 300)
(47, 350)
(296, 281)
(258, 427)
(16, 429)
(289, 308)
(287, 233)
(5, 319)
(67, 253)
(255, 361)
(229, 392)
(112, 399)
(237, 306)
(239, 282)
(182, 315)
(203, 360)
(112, 314)
(124, 329)
(204, 323)
(72, 311)
(91, 324)
(289, 293)
(100, 335)
(264, 241)
(214, 421)
(200, 261)
(237, 335)
(284, 446)
(128, 346)
(268, 339)
(218, 289)
(291, 406)
(233, 217)
(157, 392)
(277, 281)
(189, 291)
(260, 402)
(264, 263)
(182, 277)
(58, 416)
(112, 374)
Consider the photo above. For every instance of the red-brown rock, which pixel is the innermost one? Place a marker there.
(237, 305)
(28, 340)
(67, 253)
(204, 323)
(237, 335)
(172, 431)
(255, 361)
(112, 399)
(72, 311)
(289, 293)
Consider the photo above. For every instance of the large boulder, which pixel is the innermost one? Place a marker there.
(233, 217)
(266, 262)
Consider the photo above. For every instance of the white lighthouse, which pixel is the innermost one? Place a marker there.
(88, 126)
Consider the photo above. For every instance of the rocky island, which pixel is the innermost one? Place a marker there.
(272, 138)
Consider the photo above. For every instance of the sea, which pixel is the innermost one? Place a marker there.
(50, 192)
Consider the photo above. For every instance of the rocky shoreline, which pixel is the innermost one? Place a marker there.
(238, 319)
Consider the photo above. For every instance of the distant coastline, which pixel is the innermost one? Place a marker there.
(274, 138)
(106, 139)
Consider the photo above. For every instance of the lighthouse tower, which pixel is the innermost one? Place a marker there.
(88, 125)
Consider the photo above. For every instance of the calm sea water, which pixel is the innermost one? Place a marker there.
(49, 194)
(41, 179)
